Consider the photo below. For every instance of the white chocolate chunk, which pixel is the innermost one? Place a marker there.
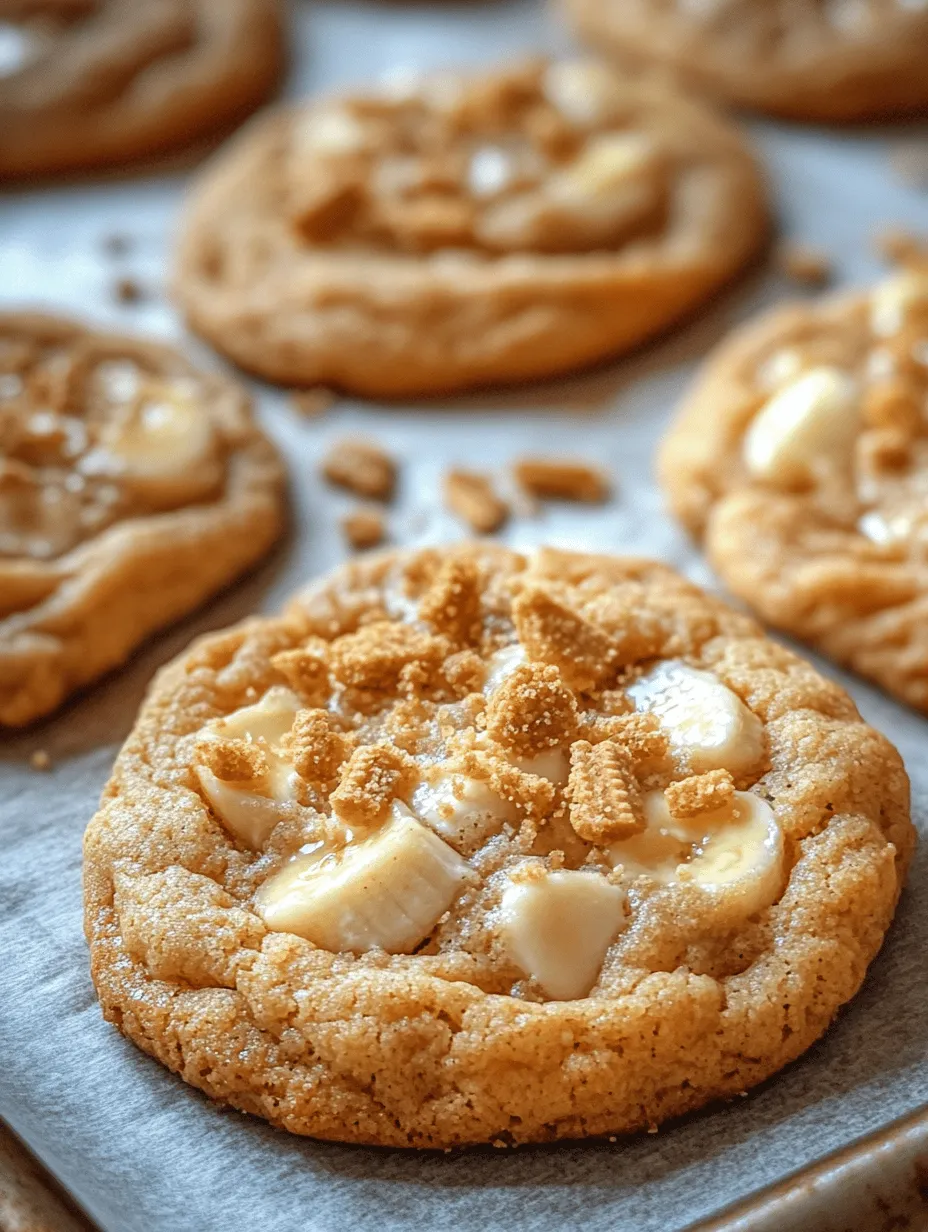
(607, 162)
(502, 664)
(735, 852)
(584, 92)
(387, 891)
(162, 437)
(894, 298)
(251, 815)
(709, 727)
(456, 805)
(809, 420)
(558, 928)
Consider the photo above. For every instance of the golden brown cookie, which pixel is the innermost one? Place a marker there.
(805, 59)
(132, 487)
(464, 230)
(801, 459)
(470, 847)
(85, 83)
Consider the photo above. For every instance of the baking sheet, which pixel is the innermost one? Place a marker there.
(139, 1149)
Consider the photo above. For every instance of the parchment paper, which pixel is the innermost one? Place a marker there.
(139, 1149)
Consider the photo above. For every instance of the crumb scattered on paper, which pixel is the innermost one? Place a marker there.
(361, 466)
(364, 527)
(40, 760)
(471, 496)
(562, 479)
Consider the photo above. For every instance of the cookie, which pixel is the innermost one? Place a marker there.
(469, 847)
(801, 459)
(84, 83)
(132, 487)
(802, 59)
(460, 230)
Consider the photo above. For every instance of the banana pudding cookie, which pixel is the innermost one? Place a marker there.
(455, 230)
(801, 459)
(84, 83)
(469, 847)
(804, 59)
(131, 487)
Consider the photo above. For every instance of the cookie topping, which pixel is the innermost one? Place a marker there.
(554, 632)
(532, 710)
(374, 776)
(700, 793)
(605, 800)
(558, 926)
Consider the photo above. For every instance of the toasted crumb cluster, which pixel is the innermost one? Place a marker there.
(802, 458)
(471, 496)
(465, 855)
(361, 466)
(562, 479)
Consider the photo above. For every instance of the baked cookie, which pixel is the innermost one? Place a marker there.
(801, 458)
(804, 59)
(470, 847)
(464, 230)
(131, 487)
(84, 83)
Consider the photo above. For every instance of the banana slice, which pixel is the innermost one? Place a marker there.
(735, 853)
(810, 419)
(709, 726)
(387, 891)
(558, 927)
(248, 814)
(457, 806)
(164, 446)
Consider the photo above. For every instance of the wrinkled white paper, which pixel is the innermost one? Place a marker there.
(141, 1151)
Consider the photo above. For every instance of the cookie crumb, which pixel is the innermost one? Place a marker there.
(532, 710)
(804, 264)
(700, 793)
(897, 245)
(318, 749)
(362, 466)
(233, 761)
(472, 497)
(128, 290)
(562, 479)
(909, 163)
(372, 778)
(364, 527)
(554, 633)
(452, 603)
(306, 670)
(40, 760)
(312, 403)
(605, 800)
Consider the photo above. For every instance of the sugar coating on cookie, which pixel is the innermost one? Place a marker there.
(801, 457)
(85, 83)
(132, 486)
(838, 60)
(456, 229)
(404, 832)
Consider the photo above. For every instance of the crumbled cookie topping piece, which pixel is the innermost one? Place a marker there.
(364, 527)
(700, 793)
(39, 759)
(472, 498)
(452, 604)
(531, 794)
(361, 466)
(553, 632)
(374, 656)
(562, 479)
(234, 760)
(532, 710)
(316, 747)
(306, 670)
(373, 777)
(605, 800)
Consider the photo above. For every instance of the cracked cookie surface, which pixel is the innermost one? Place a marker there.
(807, 60)
(85, 83)
(132, 486)
(800, 459)
(389, 868)
(460, 230)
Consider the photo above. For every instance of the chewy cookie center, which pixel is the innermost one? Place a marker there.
(509, 776)
(854, 435)
(542, 158)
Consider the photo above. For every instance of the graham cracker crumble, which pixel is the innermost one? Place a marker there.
(233, 760)
(452, 603)
(604, 796)
(375, 656)
(361, 466)
(364, 527)
(529, 793)
(557, 634)
(562, 479)
(532, 710)
(700, 793)
(317, 748)
(306, 670)
(373, 777)
(804, 264)
(472, 497)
